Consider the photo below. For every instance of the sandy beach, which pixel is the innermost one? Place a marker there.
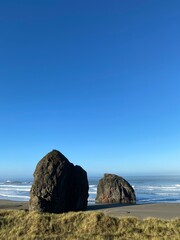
(160, 210)
(143, 211)
(6, 204)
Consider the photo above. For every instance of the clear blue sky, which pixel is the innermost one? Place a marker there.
(97, 80)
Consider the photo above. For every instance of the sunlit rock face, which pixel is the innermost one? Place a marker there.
(58, 185)
(114, 189)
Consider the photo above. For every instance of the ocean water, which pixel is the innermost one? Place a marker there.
(15, 190)
(148, 189)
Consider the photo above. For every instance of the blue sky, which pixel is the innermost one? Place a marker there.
(97, 80)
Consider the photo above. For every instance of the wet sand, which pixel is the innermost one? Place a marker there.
(158, 210)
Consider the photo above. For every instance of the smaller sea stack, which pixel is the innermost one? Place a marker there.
(115, 189)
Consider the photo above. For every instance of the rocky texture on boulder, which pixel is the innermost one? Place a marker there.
(114, 189)
(58, 185)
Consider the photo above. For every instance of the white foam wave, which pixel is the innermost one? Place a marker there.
(16, 186)
(167, 194)
(174, 187)
(152, 200)
(91, 186)
(90, 192)
(91, 199)
(14, 196)
(17, 189)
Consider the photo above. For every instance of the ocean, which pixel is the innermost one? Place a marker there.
(148, 189)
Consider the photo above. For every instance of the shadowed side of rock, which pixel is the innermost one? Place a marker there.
(114, 189)
(81, 189)
(58, 185)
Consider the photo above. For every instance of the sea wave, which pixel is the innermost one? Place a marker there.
(147, 190)
(91, 192)
(16, 189)
(92, 186)
(13, 196)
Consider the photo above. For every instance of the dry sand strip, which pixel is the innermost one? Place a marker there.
(142, 211)
(6, 204)
(158, 210)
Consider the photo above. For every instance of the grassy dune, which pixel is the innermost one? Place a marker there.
(18, 224)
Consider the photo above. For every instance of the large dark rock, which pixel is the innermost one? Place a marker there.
(114, 189)
(58, 185)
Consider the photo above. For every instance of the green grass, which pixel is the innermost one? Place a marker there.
(18, 224)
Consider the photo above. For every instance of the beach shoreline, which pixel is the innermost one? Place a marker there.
(142, 211)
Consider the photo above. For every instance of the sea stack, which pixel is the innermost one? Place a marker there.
(115, 189)
(58, 185)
